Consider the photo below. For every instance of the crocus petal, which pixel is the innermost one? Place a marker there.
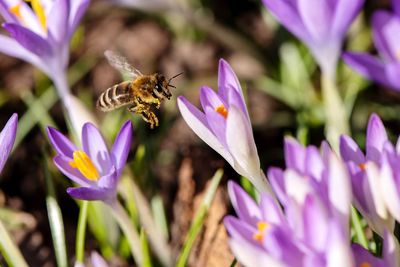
(286, 13)
(63, 164)
(393, 74)
(245, 207)
(316, 16)
(316, 220)
(252, 256)
(390, 250)
(345, 13)
(89, 193)
(57, 20)
(350, 151)
(238, 229)
(7, 138)
(314, 165)
(227, 79)
(240, 141)
(236, 99)
(368, 66)
(217, 124)
(385, 27)
(61, 143)
(296, 186)
(77, 9)
(209, 98)
(198, 123)
(276, 178)
(97, 260)
(109, 180)
(389, 186)
(295, 154)
(30, 40)
(362, 256)
(376, 138)
(338, 251)
(121, 147)
(396, 7)
(93, 144)
(270, 211)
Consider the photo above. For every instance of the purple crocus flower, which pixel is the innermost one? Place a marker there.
(40, 34)
(384, 69)
(370, 173)
(322, 25)
(225, 125)
(7, 138)
(305, 235)
(310, 171)
(94, 168)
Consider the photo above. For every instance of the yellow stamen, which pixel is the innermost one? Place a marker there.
(39, 11)
(16, 10)
(365, 264)
(84, 164)
(259, 235)
(222, 110)
(362, 166)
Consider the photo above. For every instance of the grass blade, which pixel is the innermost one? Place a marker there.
(81, 232)
(9, 250)
(145, 249)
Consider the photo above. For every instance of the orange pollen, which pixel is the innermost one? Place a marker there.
(362, 166)
(16, 10)
(365, 264)
(84, 164)
(222, 110)
(259, 235)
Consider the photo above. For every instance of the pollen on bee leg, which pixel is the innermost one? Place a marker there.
(260, 234)
(84, 164)
(222, 111)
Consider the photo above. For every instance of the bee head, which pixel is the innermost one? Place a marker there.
(161, 88)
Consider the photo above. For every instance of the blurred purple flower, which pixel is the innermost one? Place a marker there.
(40, 33)
(310, 171)
(321, 24)
(94, 168)
(384, 69)
(7, 138)
(225, 125)
(305, 235)
(372, 175)
(396, 6)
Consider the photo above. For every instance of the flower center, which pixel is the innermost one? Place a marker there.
(362, 166)
(260, 234)
(84, 164)
(222, 110)
(365, 264)
(37, 8)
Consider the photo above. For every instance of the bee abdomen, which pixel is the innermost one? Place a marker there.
(114, 97)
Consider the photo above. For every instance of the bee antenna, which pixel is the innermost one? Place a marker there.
(173, 77)
(173, 86)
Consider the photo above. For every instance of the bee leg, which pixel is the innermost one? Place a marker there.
(158, 103)
(150, 117)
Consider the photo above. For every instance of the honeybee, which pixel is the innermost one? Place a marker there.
(142, 93)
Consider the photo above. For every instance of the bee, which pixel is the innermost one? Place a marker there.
(141, 94)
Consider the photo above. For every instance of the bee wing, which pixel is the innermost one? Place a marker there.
(121, 64)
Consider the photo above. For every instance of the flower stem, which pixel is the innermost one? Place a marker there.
(356, 223)
(9, 250)
(335, 111)
(130, 232)
(81, 232)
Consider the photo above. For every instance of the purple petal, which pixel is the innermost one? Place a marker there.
(61, 143)
(390, 250)
(240, 141)
(209, 98)
(362, 256)
(30, 40)
(227, 79)
(350, 151)
(6, 14)
(239, 229)
(286, 13)
(62, 163)
(236, 99)
(386, 27)
(368, 66)
(376, 138)
(389, 186)
(198, 123)
(271, 213)
(110, 180)
(396, 7)
(94, 145)
(121, 147)
(217, 123)
(57, 20)
(97, 260)
(245, 207)
(345, 12)
(314, 165)
(77, 10)
(393, 74)
(295, 155)
(316, 16)
(276, 178)
(89, 193)
(7, 138)
(338, 252)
